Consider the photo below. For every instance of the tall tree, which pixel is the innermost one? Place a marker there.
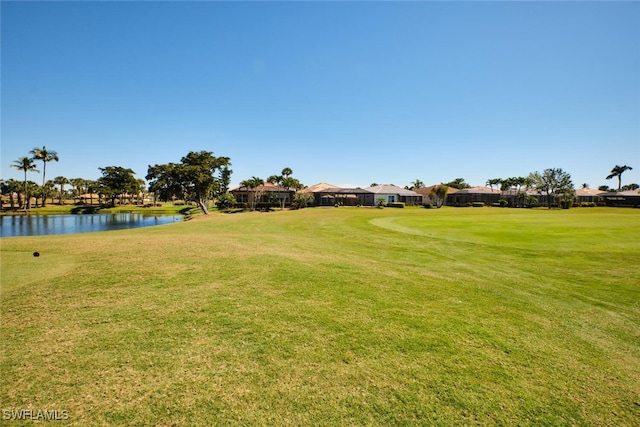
(46, 156)
(116, 181)
(164, 182)
(617, 171)
(61, 181)
(194, 178)
(25, 164)
(198, 173)
(552, 182)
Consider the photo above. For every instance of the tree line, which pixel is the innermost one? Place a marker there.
(201, 177)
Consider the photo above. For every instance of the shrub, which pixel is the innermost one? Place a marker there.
(395, 205)
(532, 201)
(503, 203)
(478, 204)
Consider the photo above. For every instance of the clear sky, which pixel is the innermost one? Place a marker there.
(348, 93)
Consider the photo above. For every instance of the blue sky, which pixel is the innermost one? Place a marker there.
(348, 93)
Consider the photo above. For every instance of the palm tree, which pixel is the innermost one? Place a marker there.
(493, 181)
(416, 184)
(92, 187)
(3, 189)
(46, 156)
(78, 187)
(254, 185)
(61, 181)
(14, 187)
(140, 187)
(49, 188)
(617, 171)
(25, 164)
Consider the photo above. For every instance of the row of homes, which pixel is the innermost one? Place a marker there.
(491, 196)
(324, 194)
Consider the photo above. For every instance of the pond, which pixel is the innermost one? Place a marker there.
(36, 225)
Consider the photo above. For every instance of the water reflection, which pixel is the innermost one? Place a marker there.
(36, 225)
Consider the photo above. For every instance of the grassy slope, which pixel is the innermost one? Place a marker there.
(331, 316)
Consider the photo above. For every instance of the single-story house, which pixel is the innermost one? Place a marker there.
(425, 192)
(330, 195)
(588, 195)
(393, 193)
(268, 195)
(88, 198)
(621, 198)
(344, 197)
(466, 196)
(317, 187)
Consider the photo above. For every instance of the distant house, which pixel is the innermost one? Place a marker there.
(317, 187)
(425, 192)
(467, 196)
(393, 193)
(89, 198)
(344, 197)
(588, 195)
(621, 198)
(330, 195)
(268, 195)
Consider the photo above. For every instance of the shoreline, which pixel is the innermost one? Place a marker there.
(93, 209)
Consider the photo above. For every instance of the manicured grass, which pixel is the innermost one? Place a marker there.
(331, 317)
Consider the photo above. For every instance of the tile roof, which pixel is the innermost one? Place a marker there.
(318, 187)
(391, 189)
(425, 191)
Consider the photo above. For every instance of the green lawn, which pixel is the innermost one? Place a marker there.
(350, 316)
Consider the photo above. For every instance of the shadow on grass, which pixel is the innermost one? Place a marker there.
(189, 212)
(80, 210)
